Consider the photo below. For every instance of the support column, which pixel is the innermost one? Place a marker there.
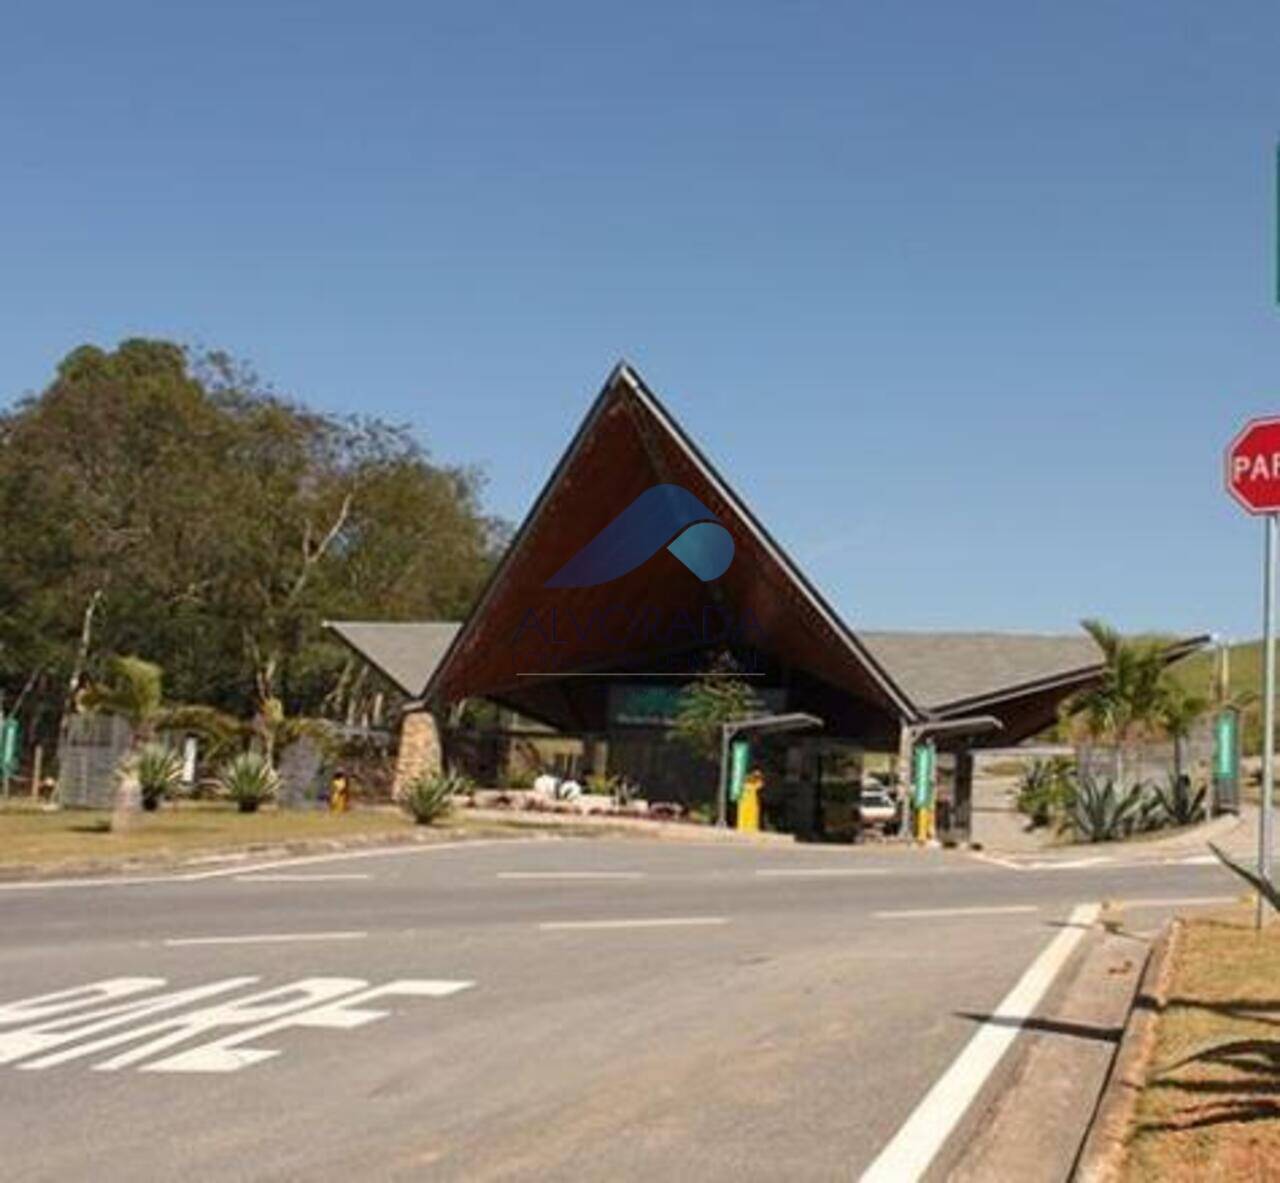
(906, 740)
(419, 752)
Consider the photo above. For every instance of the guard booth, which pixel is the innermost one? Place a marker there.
(955, 796)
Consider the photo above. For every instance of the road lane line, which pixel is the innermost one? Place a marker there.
(1008, 864)
(1185, 901)
(267, 938)
(655, 922)
(320, 877)
(920, 913)
(911, 1150)
(818, 872)
(571, 874)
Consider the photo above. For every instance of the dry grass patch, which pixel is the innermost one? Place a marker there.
(1211, 1106)
(30, 837)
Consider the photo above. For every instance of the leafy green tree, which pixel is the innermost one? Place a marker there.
(706, 705)
(168, 504)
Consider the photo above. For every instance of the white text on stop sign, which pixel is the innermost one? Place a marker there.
(1263, 467)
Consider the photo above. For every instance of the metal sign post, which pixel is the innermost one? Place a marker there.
(1268, 704)
(1253, 479)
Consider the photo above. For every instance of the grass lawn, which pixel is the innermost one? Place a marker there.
(1211, 1106)
(31, 837)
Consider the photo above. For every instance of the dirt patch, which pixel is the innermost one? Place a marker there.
(1210, 1108)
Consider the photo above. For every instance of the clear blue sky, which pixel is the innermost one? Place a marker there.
(965, 298)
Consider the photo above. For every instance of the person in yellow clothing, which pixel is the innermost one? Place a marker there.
(339, 793)
(749, 802)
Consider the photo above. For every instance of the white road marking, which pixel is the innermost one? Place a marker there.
(916, 1144)
(920, 913)
(320, 877)
(656, 922)
(310, 1002)
(995, 861)
(818, 872)
(1074, 864)
(1196, 860)
(571, 875)
(227, 1054)
(1185, 901)
(54, 1033)
(44, 1006)
(267, 938)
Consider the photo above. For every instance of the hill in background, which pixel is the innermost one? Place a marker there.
(1196, 673)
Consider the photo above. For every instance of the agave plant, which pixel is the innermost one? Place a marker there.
(249, 780)
(1181, 806)
(158, 770)
(429, 797)
(1102, 811)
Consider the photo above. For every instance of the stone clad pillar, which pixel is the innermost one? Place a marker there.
(419, 749)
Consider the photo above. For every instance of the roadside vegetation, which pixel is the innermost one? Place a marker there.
(1210, 1108)
(429, 798)
(32, 837)
(1138, 699)
(165, 510)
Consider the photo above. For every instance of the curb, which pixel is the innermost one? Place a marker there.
(1103, 1152)
(197, 859)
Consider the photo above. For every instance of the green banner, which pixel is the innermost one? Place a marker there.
(1226, 745)
(739, 754)
(923, 760)
(9, 746)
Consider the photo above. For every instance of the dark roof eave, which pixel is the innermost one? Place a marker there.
(1173, 652)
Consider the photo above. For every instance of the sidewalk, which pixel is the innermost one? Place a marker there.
(1236, 835)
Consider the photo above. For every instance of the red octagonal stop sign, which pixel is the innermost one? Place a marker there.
(1253, 466)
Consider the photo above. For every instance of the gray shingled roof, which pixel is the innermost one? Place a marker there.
(407, 653)
(934, 669)
(937, 669)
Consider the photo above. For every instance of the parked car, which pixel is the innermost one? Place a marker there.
(877, 808)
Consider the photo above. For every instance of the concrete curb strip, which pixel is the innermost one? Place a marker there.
(1103, 1153)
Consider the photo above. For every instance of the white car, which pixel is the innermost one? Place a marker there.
(877, 807)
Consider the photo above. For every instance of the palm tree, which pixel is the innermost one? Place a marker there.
(1129, 694)
(1180, 710)
(134, 690)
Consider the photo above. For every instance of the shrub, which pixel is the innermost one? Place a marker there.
(429, 797)
(249, 780)
(1046, 791)
(158, 770)
(1102, 811)
(1181, 806)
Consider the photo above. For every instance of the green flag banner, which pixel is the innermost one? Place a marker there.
(738, 756)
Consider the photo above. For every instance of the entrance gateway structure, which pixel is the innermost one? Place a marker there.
(639, 570)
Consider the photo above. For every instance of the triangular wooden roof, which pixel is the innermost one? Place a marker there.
(627, 443)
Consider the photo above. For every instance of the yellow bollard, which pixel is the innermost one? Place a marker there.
(749, 802)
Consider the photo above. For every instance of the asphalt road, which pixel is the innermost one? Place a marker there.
(543, 1009)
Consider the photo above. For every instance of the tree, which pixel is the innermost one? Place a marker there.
(134, 690)
(168, 504)
(1128, 695)
(1179, 711)
(706, 705)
